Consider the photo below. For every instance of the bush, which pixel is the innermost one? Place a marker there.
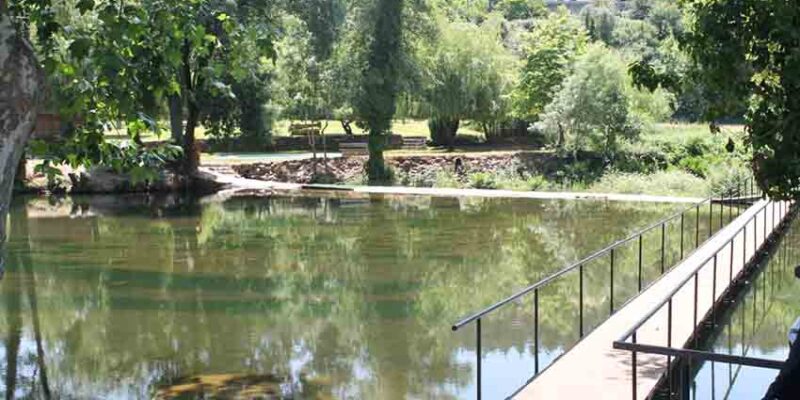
(446, 179)
(664, 183)
(727, 178)
(593, 110)
(524, 182)
(481, 180)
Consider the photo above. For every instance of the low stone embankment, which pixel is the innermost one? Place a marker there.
(351, 169)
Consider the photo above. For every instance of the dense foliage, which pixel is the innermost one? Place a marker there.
(594, 107)
(513, 67)
(110, 62)
(748, 50)
(467, 74)
(551, 49)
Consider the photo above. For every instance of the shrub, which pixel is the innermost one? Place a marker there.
(726, 178)
(482, 180)
(446, 179)
(593, 109)
(665, 183)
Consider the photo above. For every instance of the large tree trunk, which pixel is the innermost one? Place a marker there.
(191, 157)
(176, 118)
(21, 93)
(190, 152)
(376, 167)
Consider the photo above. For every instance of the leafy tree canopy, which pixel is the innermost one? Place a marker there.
(467, 73)
(551, 49)
(110, 61)
(596, 107)
(748, 50)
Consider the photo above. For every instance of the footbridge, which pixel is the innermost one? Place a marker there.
(657, 286)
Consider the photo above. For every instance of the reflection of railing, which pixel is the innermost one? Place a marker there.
(743, 192)
(690, 354)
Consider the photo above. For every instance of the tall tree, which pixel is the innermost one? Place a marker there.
(377, 101)
(551, 49)
(749, 50)
(203, 49)
(467, 73)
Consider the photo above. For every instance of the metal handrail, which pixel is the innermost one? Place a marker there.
(691, 276)
(458, 325)
(784, 209)
(700, 355)
(579, 265)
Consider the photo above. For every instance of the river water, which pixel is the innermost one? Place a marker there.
(134, 297)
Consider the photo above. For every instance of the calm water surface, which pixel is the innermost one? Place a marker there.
(128, 297)
(757, 326)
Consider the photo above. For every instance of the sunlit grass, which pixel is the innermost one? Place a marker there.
(680, 131)
(404, 127)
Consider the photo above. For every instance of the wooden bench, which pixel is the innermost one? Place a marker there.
(415, 143)
(305, 129)
(350, 149)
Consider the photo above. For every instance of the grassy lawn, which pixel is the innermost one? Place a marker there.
(407, 127)
(664, 132)
(667, 132)
(404, 127)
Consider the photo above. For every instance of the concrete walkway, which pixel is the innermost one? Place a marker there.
(226, 176)
(594, 369)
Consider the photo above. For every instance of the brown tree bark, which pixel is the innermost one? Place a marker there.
(176, 118)
(21, 94)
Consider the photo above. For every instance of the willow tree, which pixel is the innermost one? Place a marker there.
(467, 74)
(748, 49)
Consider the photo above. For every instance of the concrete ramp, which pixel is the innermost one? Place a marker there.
(593, 369)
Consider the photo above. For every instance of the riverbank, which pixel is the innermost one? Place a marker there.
(539, 171)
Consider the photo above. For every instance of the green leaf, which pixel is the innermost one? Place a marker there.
(80, 47)
(85, 5)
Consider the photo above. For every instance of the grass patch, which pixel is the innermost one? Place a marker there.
(404, 127)
(662, 183)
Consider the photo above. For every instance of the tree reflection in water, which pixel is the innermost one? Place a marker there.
(344, 298)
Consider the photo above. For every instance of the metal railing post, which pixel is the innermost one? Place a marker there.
(536, 329)
(774, 217)
(744, 245)
(663, 247)
(478, 355)
(634, 388)
(714, 292)
(730, 272)
(640, 263)
(755, 234)
(611, 297)
(697, 227)
(710, 217)
(694, 320)
(721, 214)
(682, 218)
(580, 301)
(730, 209)
(739, 189)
